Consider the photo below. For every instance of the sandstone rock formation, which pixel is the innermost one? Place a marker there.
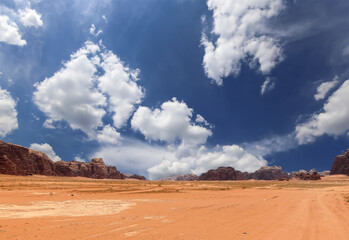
(222, 173)
(341, 164)
(183, 177)
(94, 169)
(135, 176)
(187, 177)
(18, 160)
(267, 173)
(308, 176)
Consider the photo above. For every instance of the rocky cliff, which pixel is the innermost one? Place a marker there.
(308, 176)
(267, 173)
(222, 173)
(94, 169)
(18, 160)
(341, 164)
(135, 176)
(183, 177)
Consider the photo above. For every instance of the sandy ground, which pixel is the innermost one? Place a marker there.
(37, 207)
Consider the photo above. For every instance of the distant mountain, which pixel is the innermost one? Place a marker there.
(183, 177)
(267, 173)
(222, 173)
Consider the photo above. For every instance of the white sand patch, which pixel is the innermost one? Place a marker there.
(74, 208)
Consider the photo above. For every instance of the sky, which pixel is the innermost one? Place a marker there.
(161, 88)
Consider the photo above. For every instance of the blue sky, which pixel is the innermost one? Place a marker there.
(162, 88)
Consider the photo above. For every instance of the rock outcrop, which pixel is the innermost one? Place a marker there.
(18, 160)
(187, 177)
(135, 176)
(308, 176)
(222, 173)
(183, 177)
(94, 169)
(341, 164)
(267, 173)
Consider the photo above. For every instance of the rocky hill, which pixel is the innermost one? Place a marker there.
(341, 164)
(183, 177)
(222, 173)
(267, 173)
(18, 160)
(94, 169)
(308, 176)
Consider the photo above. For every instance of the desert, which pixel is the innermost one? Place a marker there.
(174, 120)
(49, 207)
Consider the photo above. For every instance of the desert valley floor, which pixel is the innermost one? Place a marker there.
(40, 207)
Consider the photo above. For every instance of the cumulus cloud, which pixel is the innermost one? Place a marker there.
(134, 156)
(163, 161)
(240, 30)
(228, 155)
(267, 86)
(167, 168)
(119, 82)
(324, 88)
(171, 122)
(9, 32)
(70, 94)
(8, 113)
(79, 159)
(81, 94)
(30, 18)
(332, 120)
(109, 135)
(46, 148)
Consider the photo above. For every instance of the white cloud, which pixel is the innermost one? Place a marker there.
(46, 148)
(167, 168)
(272, 144)
(267, 86)
(134, 156)
(240, 28)
(9, 32)
(70, 94)
(30, 18)
(162, 161)
(93, 31)
(79, 159)
(8, 113)
(170, 123)
(80, 94)
(119, 82)
(332, 120)
(109, 135)
(229, 155)
(324, 88)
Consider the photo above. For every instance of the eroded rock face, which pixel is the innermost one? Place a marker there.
(308, 176)
(341, 164)
(18, 160)
(267, 173)
(135, 176)
(222, 173)
(187, 177)
(94, 169)
(183, 177)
